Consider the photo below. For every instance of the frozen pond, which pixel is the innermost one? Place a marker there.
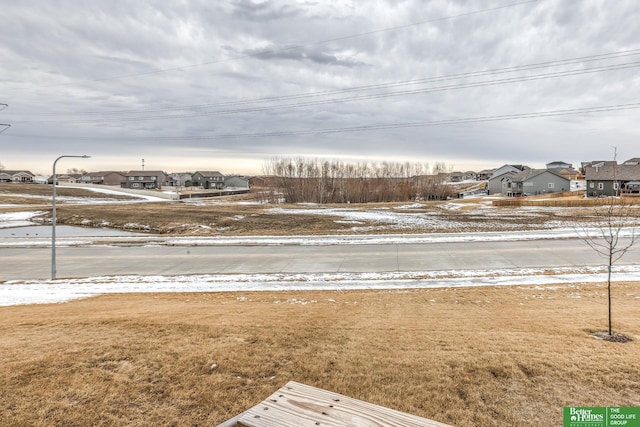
(64, 231)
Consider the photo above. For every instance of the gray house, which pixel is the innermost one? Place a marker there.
(611, 179)
(208, 179)
(496, 185)
(144, 180)
(535, 181)
(236, 181)
(559, 165)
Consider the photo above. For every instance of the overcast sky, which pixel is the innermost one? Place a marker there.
(230, 85)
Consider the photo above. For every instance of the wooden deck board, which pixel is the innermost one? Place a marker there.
(300, 405)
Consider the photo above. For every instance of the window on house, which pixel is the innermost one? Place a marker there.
(132, 178)
(615, 186)
(551, 185)
(153, 178)
(135, 185)
(600, 186)
(591, 185)
(141, 178)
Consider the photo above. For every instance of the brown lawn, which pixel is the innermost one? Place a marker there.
(491, 356)
(227, 217)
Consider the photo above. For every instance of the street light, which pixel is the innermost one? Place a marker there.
(53, 221)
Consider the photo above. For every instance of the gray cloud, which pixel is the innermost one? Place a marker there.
(115, 79)
(307, 53)
(263, 11)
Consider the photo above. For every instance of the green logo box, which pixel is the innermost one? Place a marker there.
(596, 416)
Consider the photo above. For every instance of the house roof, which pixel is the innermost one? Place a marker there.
(106, 173)
(532, 173)
(566, 171)
(13, 172)
(612, 171)
(634, 161)
(502, 175)
(209, 173)
(513, 168)
(558, 164)
(145, 173)
(599, 162)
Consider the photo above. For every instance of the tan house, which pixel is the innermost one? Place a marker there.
(103, 178)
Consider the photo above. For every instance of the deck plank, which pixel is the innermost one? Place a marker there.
(300, 405)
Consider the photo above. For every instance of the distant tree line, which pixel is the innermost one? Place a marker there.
(302, 180)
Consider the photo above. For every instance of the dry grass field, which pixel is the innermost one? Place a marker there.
(491, 356)
(236, 215)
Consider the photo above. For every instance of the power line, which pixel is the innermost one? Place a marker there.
(458, 86)
(456, 121)
(482, 73)
(6, 125)
(429, 123)
(294, 47)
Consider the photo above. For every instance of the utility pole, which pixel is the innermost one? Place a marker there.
(142, 164)
(53, 213)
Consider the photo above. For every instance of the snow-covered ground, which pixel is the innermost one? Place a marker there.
(17, 219)
(58, 291)
(35, 292)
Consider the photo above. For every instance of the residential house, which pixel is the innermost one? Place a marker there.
(532, 182)
(612, 179)
(585, 165)
(20, 176)
(263, 181)
(496, 183)
(144, 180)
(485, 174)
(565, 169)
(5, 177)
(470, 176)
(179, 179)
(41, 179)
(559, 165)
(236, 181)
(65, 178)
(463, 176)
(456, 176)
(103, 178)
(208, 179)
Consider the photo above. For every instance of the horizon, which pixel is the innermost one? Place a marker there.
(189, 85)
(82, 165)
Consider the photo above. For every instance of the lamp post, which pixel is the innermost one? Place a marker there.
(53, 220)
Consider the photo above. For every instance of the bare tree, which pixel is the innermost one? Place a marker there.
(306, 180)
(611, 241)
(76, 171)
